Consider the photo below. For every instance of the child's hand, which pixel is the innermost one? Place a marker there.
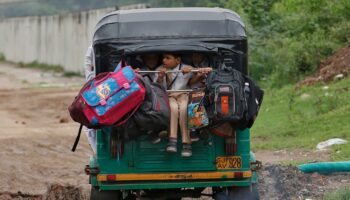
(186, 69)
(204, 71)
(161, 75)
(137, 70)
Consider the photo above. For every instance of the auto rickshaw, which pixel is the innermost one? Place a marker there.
(138, 169)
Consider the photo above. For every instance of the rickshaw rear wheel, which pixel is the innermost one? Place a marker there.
(97, 194)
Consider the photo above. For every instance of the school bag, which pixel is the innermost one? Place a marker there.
(108, 98)
(232, 97)
(225, 96)
(254, 96)
(154, 112)
(197, 115)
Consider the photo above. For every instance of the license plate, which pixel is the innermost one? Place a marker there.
(228, 162)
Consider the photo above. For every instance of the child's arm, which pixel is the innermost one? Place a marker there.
(186, 69)
(161, 75)
(200, 75)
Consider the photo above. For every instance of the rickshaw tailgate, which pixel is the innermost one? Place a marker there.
(153, 157)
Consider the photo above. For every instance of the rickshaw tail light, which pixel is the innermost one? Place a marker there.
(238, 174)
(111, 177)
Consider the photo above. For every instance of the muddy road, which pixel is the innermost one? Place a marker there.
(36, 135)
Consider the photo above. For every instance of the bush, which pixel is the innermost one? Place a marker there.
(288, 39)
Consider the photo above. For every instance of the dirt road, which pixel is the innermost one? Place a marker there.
(36, 132)
(36, 135)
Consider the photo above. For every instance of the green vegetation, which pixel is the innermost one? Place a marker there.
(41, 66)
(290, 118)
(2, 57)
(341, 194)
(71, 74)
(287, 39)
(44, 67)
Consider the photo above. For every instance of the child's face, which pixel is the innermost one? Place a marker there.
(151, 60)
(197, 58)
(170, 61)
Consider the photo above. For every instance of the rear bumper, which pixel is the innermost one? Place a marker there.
(178, 176)
(172, 184)
(172, 180)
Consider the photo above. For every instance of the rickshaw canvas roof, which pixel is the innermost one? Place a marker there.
(155, 23)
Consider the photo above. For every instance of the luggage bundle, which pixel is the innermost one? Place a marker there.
(121, 99)
(124, 99)
(153, 114)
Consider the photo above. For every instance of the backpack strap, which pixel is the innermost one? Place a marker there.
(122, 63)
(77, 138)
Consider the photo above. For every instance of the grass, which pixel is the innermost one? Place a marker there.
(41, 66)
(47, 67)
(71, 74)
(2, 57)
(300, 119)
(341, 194)
(44, 67)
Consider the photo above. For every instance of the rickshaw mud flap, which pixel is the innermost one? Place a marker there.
(93, 171)
(180, 176)
(255, 166)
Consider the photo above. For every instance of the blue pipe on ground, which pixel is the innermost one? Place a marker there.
(325, 167)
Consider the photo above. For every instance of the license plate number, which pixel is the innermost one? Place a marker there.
(228, 162)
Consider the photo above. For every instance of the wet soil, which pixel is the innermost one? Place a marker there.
(287, 182)
(334, 67)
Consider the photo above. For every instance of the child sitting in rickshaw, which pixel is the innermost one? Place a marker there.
(198, 82)
(176, 81)
(151, 62)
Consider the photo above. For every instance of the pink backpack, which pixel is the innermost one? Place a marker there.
(108, 98)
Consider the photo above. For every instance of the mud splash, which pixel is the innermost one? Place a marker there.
(54, 192)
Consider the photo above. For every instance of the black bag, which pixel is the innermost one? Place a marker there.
(225, 96)
(154, 112)
(152, 116)
(254, 97)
